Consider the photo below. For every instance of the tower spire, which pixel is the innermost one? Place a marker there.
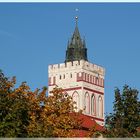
(76, 49)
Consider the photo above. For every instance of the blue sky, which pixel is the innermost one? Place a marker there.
(34, 35)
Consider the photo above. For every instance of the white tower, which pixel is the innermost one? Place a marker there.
(81, 79)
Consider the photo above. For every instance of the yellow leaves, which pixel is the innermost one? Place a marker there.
(47, 116)
(54, 115)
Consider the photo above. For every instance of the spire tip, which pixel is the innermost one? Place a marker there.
(76, 18)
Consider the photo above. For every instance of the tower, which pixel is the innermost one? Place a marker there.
(82, 80)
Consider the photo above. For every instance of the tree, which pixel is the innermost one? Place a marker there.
(94, 133)
(13, 108)
(55, 117)
(24, 113)
(125, 119)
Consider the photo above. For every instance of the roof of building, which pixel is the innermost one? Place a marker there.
(87, 124)
(76, 48)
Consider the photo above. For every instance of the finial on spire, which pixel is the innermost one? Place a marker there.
(76, 18)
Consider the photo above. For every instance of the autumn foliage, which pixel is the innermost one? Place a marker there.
(26, 113)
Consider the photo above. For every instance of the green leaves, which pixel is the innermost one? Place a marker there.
(125, 119)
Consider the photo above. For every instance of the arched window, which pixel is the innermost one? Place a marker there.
(76, 99)
(93, 105)
(87, 103)
(80, 74)
(100, 106)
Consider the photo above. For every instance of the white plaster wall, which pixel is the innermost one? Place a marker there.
(68, 82)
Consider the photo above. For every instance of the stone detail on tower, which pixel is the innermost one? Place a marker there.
(82, 80)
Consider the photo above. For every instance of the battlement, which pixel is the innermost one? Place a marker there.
(77, 64)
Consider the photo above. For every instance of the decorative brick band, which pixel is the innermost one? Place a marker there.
(93, 90)
(76, 88)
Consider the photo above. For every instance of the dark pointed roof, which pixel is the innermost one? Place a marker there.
(76, 49)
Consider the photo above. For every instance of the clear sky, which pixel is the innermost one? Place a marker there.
(34, 35)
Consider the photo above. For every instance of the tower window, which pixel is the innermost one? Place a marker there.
(54, 80)
(93, 105)
(76, 99)
(91, 78)
(97, 80)
(94, 80)
(100, 106)
(86, 77)
(87, 103)
(100, 84)
(80, 74)
(64, 76)
(60, 77)
(71, 75)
